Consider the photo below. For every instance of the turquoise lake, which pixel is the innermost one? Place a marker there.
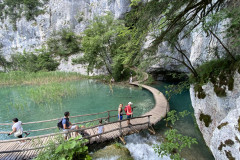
(91, 97)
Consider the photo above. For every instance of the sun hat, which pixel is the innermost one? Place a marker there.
(130, 103)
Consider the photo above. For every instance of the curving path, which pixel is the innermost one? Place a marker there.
(161, 104)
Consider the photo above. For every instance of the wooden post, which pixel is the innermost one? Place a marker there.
(148, 121)
(108, 116)
(120, 129)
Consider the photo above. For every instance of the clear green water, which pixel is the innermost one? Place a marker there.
(91, 97)
(186, 126)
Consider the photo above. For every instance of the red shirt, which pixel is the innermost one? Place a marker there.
(129, 110)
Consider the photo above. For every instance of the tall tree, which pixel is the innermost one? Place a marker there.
(102, 41)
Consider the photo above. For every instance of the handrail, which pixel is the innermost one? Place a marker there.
(43, 129)
(87, 137)
(10, 124)
(69, 131)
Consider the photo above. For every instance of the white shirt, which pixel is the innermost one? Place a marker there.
(100, 129)
(17, 125)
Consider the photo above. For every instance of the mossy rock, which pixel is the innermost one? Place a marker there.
(206, 119)
(220, 147)
(229, 142)
(239, 124)
(222, 125)
(229, 155)
(199, 91)
(119, 151)
(220, 92)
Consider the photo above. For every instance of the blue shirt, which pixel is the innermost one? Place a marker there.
(65, 121)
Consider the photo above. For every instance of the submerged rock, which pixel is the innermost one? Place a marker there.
(114, 152)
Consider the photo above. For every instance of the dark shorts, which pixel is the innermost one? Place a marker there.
(129, 116)
(19, 136)
(121, 117)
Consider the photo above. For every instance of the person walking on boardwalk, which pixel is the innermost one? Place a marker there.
(67, 125)
(129, 113)
(17, 129)
(120, 116)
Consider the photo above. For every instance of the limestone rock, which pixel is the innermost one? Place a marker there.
(221, 110)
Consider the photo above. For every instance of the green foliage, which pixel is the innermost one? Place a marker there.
(206, 119)
(175, 89)
(173, 116)
(64, 43)
(220, 72)
(34, 62)
(232, 30)
(140, 21)
(66, 150)
(174, 144)
(199, 92)
(102, 41)
(135, 2)
(4, 63)
(16, 9)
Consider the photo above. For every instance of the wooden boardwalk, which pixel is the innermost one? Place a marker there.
(16, 150)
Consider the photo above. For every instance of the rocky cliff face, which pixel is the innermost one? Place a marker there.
(74, 14)
(198, 46)
(219, 119)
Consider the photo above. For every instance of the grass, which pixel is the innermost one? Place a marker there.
(46, 87)
(40, 78)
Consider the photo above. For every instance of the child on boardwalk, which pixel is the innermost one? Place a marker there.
(100, 128)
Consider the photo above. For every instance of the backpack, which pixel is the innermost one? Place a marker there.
(59, 124)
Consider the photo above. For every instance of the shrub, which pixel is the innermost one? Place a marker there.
(34, 62)
(70, 150)
(64, 43)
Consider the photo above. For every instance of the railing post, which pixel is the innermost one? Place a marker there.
(120, 128)
(108, 116)
(148, 121)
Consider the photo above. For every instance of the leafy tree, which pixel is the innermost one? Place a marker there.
(231, 28)
(102, 41)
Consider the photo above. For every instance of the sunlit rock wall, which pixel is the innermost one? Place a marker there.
(74, 14)
(223, 133)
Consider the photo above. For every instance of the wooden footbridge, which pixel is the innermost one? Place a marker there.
(17, 150)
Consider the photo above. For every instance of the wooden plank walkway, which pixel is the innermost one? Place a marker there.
(28, 149)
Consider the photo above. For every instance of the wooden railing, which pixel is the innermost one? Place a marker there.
(120, 129)
(57, 119)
